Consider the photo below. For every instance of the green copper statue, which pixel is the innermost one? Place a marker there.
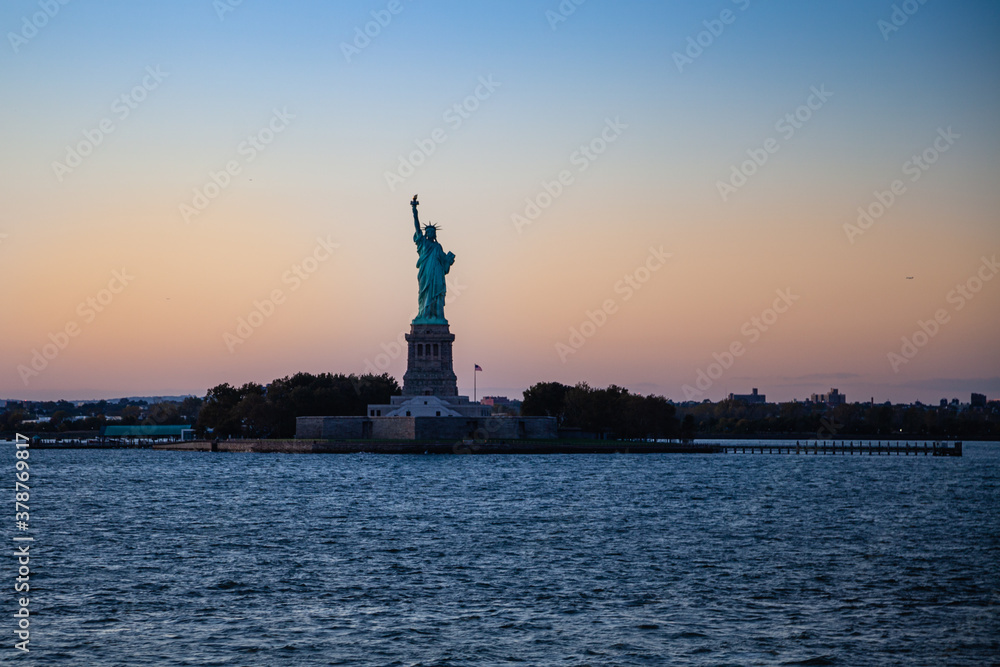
(433, 265)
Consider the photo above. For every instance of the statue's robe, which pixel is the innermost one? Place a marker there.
(433, 265)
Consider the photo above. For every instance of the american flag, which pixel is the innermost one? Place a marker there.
(478, 367)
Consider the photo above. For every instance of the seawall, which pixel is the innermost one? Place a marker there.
(298, 446)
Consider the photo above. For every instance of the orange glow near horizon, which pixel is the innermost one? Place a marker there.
(518, 290)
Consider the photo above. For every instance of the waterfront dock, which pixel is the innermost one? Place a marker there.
(848, 448)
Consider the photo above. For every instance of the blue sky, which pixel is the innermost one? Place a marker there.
(521, 291)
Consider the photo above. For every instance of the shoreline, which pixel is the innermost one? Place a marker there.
(555, 446)
(291, 446)
(935, 448)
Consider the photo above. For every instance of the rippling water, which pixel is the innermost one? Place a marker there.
(169, 558)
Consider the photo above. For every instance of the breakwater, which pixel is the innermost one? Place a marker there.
(432, 447)
(819, 447)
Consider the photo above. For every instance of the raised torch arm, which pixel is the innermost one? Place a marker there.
(416, 219)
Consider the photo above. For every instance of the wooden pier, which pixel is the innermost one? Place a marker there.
(847, 448)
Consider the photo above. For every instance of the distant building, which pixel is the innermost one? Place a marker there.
(944, 402)
(978, 400)
(501, 405)
(751, 399)
(495, 400)
(832, 397)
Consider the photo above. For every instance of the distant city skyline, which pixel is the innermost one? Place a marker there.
(975, 399)
(688, 200)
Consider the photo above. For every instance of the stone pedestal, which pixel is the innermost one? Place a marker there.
(429, 370)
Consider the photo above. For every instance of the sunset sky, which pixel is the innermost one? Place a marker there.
(713, 155)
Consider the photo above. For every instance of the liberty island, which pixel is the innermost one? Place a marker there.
(429, 416)
(430, 407)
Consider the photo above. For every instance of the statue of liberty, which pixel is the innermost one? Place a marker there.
(433, 265)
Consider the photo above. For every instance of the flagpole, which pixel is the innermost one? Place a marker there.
(473, 384)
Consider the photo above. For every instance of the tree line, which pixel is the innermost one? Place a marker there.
(259, 411)
(612, 412)
(268, 411)
(65, 416)
(817, 420)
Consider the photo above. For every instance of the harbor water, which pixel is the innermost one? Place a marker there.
(194, 558)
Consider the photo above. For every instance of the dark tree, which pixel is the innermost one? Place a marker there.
(189, 409)
(545, 399)
(254, 411)
(218, 412)
(612, 412)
